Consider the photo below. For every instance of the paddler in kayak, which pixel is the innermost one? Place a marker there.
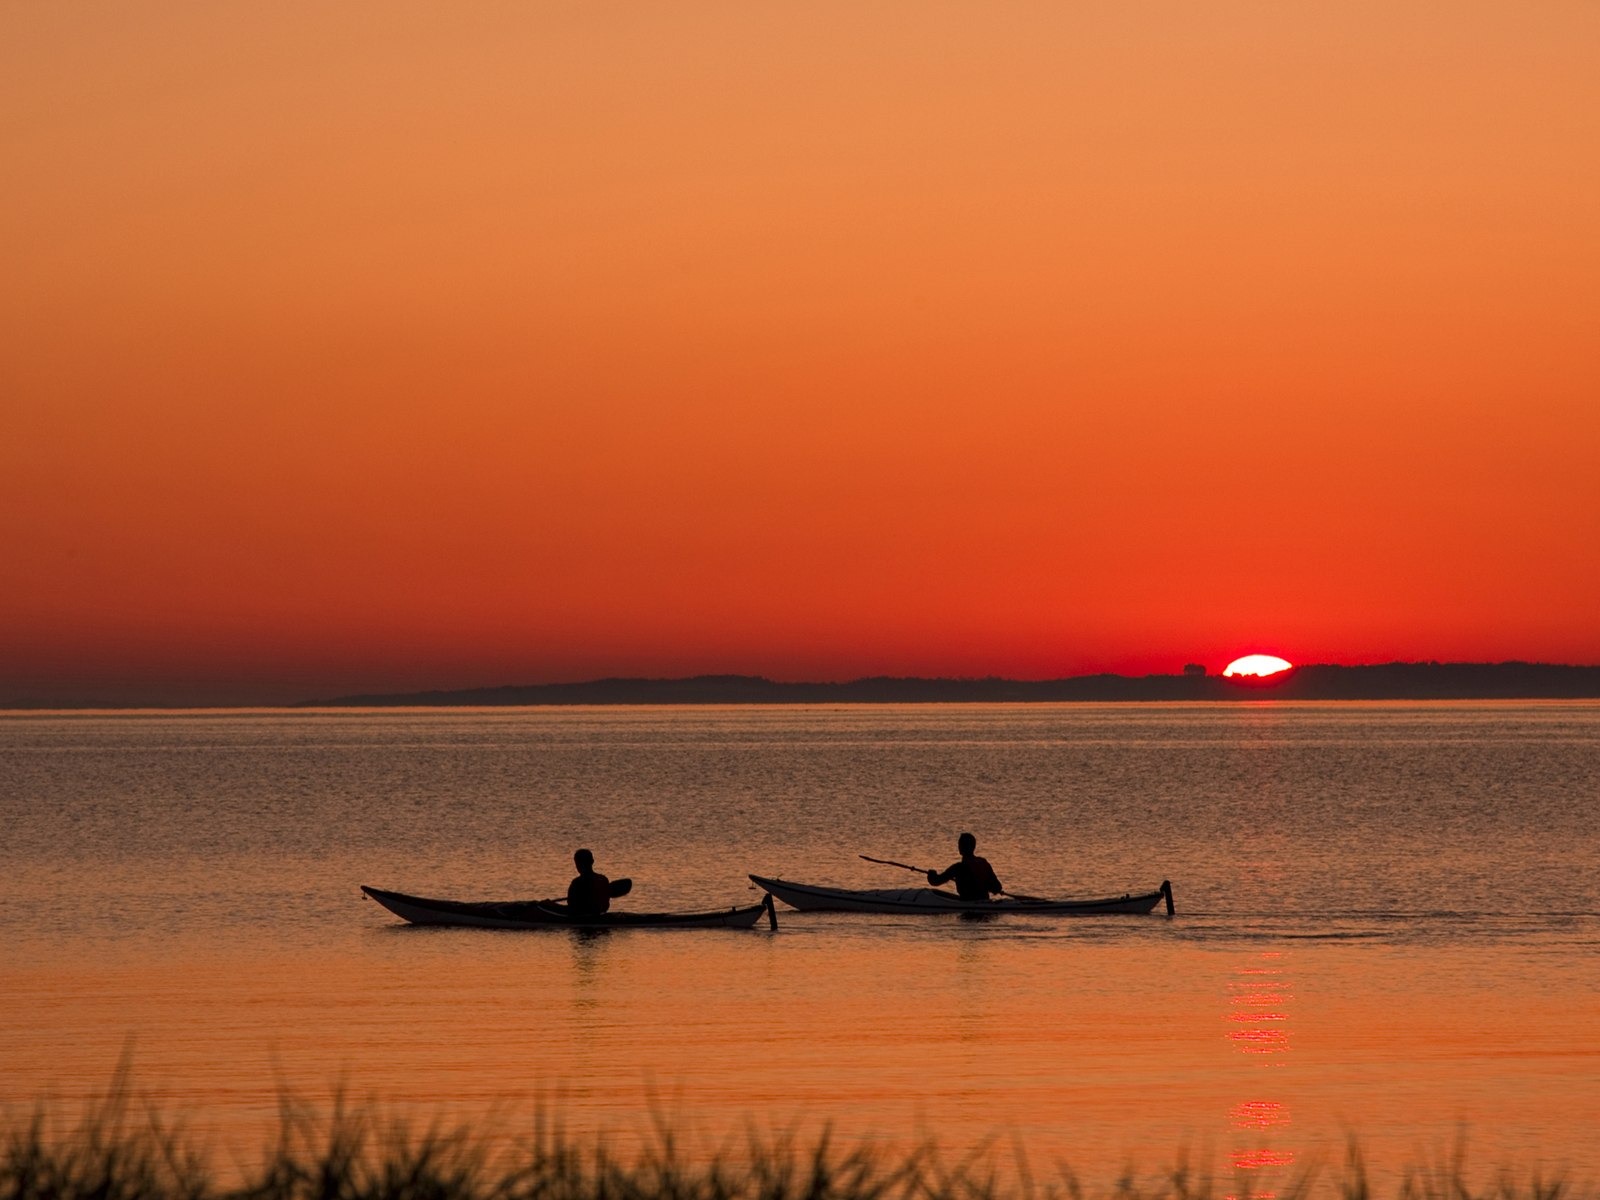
(590, 893)
(973, 876)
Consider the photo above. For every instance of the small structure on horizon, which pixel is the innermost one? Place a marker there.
(1194, 670)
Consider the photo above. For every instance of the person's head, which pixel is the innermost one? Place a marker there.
(585, 861)
(967, 844)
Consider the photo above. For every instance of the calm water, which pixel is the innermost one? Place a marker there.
(1389, 923)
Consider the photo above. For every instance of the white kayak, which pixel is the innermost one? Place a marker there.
(926, 900)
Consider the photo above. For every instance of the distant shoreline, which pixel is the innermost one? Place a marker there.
(1388, 681)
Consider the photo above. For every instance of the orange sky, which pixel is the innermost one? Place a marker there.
(388, 345)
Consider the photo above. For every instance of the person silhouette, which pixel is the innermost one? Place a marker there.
(590, 893)
(974, 877)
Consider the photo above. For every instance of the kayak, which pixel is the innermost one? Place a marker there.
(924, 900)
(548, 914)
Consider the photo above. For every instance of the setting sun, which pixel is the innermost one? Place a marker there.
(1256, 664)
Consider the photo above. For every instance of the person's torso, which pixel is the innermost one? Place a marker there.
(590, 893)
(972, 877)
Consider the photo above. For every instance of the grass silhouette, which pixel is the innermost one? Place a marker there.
(123, 1150)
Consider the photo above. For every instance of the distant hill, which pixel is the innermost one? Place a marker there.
(1388, 681)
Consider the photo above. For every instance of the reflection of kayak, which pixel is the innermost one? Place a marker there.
(931, 900)
(545, 914)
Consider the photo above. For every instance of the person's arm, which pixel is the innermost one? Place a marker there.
(944, 876)
(994, 881)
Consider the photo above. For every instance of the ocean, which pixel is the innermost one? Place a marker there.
(1388, 926)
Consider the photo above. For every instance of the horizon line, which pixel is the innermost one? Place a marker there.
(1245, 685)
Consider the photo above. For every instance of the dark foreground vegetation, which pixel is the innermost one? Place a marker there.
(123, 1151)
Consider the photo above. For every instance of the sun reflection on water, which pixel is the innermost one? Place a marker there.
(1258, 1020)
(1259, 1114)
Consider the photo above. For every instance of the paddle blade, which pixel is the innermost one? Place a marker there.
(621, 887)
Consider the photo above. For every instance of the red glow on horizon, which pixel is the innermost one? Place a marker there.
(577, 341)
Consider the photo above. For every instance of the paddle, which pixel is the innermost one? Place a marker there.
(889, 862)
